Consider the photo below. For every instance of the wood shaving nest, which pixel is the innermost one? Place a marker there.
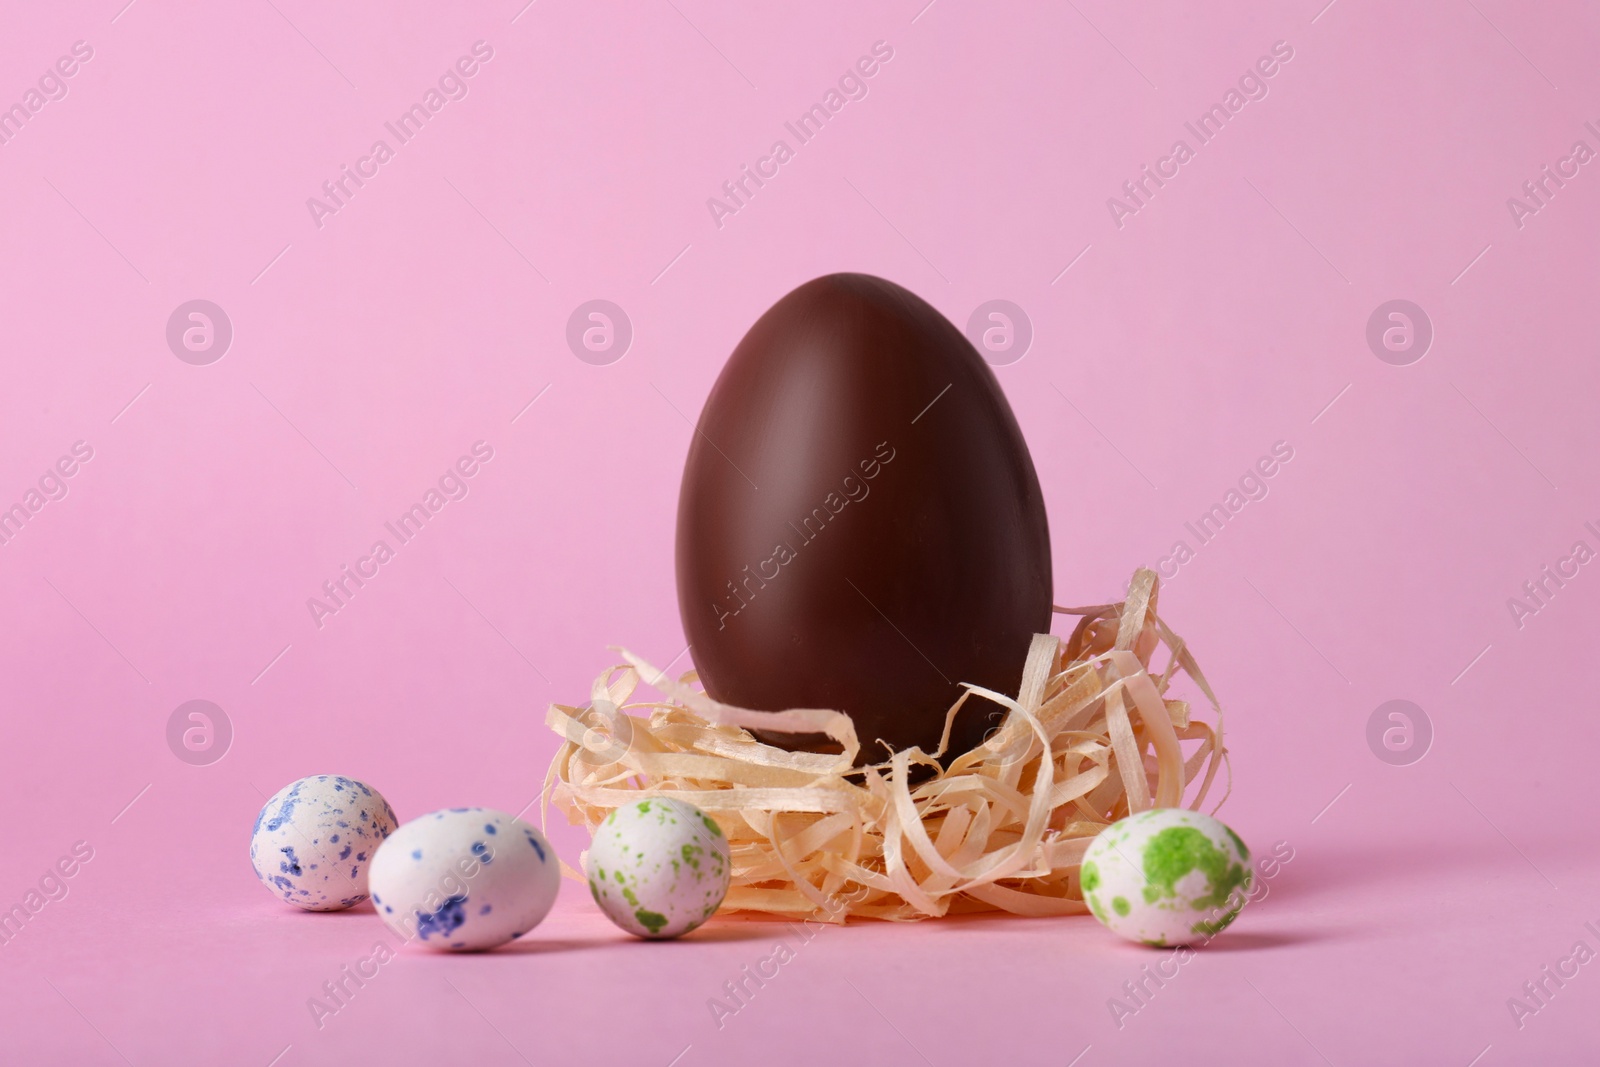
(1089, 738)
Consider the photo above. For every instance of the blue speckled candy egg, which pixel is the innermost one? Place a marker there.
(1166, 876)
(658, 867)
(466, 878)
(313, 841)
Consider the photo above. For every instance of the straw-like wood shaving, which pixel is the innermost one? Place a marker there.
(1089, 738)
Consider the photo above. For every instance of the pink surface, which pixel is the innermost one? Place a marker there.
(1169, 353)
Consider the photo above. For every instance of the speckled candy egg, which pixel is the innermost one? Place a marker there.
(658, 867)
(1168, 876)
(313, 840)
(466, 878)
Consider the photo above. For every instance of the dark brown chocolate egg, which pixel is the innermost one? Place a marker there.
(860, 525)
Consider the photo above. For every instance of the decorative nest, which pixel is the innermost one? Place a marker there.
(1088, 739)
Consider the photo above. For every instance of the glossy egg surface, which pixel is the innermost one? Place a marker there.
(860, 526)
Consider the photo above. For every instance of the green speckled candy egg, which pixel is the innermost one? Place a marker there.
(1168, 876)
(658, 868)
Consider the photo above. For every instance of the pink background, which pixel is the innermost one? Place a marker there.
(369, 353)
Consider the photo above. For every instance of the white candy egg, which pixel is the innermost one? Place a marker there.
(1167, 876)
(313, 840)
(466, 878)
(658, 867)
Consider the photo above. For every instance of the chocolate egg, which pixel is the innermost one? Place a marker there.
(860, 526)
